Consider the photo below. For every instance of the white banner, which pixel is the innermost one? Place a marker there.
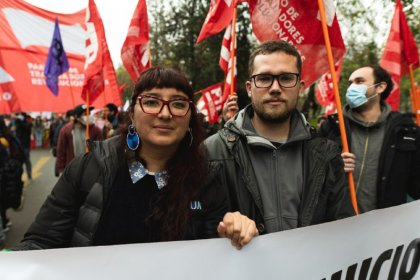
(383, 244)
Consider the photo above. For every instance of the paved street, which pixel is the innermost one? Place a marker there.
(35, 192)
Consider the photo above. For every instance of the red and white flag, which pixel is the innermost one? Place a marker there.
(98, 63)
(299, 22)
(225, 63)
(324, 91)
(400, 51)
(23, 52)
(219, 16)
(135, 52)
(207, 104)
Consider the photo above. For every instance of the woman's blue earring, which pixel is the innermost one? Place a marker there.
(133, 139)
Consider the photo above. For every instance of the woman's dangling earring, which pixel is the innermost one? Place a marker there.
(191, 136)
(133, 139)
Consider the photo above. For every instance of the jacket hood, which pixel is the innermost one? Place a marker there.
(106, 152)
(385, 111)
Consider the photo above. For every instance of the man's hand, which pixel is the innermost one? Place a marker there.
(238, 228)
(349, 161)
(231, 105)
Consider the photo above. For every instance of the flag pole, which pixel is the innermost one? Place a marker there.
(413, 94)
(338, 102)
(232, 57)
(150, 56)
(71, 93)
(87, 119)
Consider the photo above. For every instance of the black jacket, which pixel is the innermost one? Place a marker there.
(399, 160)
(325, 195)
(71, 213)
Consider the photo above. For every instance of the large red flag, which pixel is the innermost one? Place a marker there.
(400, 51)
(135, 52)
(98, 59)
(219, 16)
(298, 22)
(225, 63)
(24, 44)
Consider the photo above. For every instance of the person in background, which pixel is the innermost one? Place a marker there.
(274, 167)
(72, 137)
(11, 185)
(38, 131)
(111, 121)
(145, 185)
(384, 145)
(123, 122)
(55, 132)
(4, 155)
(23, 131)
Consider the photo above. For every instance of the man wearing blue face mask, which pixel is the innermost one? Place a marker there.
(384, 145)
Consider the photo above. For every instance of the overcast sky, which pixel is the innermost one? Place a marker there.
(116, 16)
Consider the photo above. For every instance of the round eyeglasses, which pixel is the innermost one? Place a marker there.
(285, 80)
(153, 105)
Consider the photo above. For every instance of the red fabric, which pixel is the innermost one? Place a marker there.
(209, 103)
(400, 51)
(324, 91)
(298, 22)
(219, 16)
(225, 63)
(98, 60)
(24, 44)
(135, 52)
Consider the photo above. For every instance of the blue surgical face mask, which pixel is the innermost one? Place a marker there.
(356, 95)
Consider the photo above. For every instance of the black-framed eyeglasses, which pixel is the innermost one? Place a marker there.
(285, 80)
(153, 105)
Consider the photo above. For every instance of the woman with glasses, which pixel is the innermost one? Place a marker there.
(145, 185)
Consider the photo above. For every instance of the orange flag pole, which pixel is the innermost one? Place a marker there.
(338, 102)
(232, 57)
(414, 96)
(150, 56)
(87, 119)
(72, 96)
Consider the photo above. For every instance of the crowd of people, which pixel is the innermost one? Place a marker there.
(151, 175)
(19, 133)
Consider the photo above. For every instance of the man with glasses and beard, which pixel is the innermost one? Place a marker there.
(276, 170)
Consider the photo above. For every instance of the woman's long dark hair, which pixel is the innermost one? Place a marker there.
(187, 168)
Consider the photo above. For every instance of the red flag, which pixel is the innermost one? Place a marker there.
(400, 51)
(207, 104)
(135, 52)
(225, 63)
(324, 91)
(98, 58)
(219, 16)
(298, 22)
(8, 100)
(22, 60)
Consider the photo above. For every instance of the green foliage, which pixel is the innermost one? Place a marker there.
(125, 79)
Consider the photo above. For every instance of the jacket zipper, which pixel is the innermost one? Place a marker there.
(362, 166)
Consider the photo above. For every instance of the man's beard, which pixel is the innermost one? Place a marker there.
(278, 117)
